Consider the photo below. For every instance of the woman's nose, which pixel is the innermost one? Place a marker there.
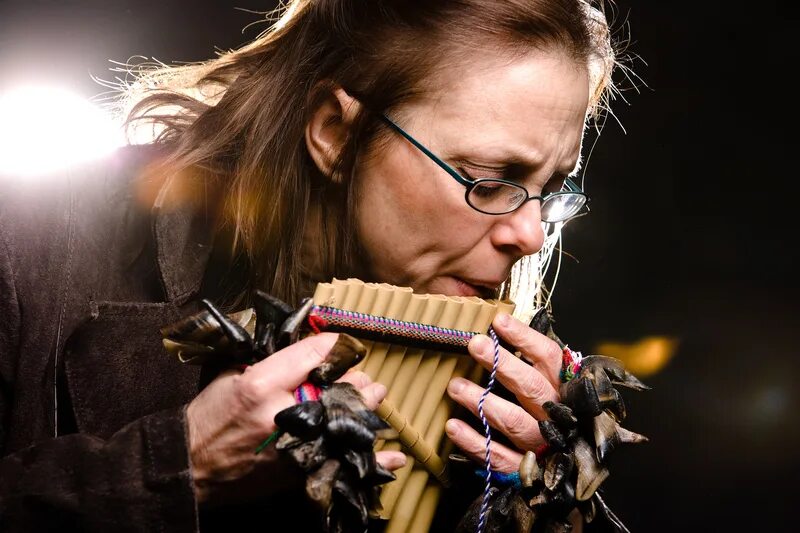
(521, 230)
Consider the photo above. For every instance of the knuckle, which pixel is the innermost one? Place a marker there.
(533, 386)
(505, 364)
(553, 352)
(507, 464)
(506, 459)
(469, 441)
(515, 421)
(524, 336)
(527, 338)
(475, 447)
(249, 390)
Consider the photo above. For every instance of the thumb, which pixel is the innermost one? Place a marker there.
(288, 368)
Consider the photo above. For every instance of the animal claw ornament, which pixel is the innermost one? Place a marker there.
(210, 336)
(332, 440)
(566, 473)
(330, 435)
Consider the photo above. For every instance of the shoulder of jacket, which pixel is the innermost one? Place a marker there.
(40, 214)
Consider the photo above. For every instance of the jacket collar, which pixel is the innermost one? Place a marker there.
(184, 233)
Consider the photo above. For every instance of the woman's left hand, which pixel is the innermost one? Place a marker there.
(533, 384)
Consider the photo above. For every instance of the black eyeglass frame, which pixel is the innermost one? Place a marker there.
(573, 188)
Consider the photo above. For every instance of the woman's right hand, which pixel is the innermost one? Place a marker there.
(236, 412)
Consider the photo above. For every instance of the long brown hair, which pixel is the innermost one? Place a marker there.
(240, 118)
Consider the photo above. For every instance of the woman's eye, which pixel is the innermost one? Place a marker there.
(487, 190)
(475, 175)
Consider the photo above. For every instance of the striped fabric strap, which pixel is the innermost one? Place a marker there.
(389, 330)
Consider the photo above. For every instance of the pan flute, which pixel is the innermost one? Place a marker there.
(416, 378)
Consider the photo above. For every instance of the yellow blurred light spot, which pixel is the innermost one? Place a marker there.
(644, 357)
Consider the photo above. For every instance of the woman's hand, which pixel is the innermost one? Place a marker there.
(532, 384)
(236, 412)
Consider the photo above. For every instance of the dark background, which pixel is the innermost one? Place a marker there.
(690, 234)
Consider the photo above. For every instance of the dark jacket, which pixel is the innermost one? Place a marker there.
(91, 409)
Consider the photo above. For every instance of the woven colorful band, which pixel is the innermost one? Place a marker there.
(570, 364)
(389, 330)
(307, 392)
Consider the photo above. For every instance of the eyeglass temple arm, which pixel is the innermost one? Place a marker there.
(572, 186)
(458, 177)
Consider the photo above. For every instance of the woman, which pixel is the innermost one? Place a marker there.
(305, 155)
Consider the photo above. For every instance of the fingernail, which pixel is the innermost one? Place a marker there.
(503, 319)
(456, 385)
(451, 427)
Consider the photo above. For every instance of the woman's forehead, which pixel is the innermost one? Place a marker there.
(513, 109)
(492, 82)
(492, 85)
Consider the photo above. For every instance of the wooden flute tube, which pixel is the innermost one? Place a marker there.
(414, 441)
(415, 487)
(409, 407)
(433, 413)
(398, 374)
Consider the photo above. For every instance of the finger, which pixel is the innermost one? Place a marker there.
(503, 459)
(530, 387)
(508, 418)
(391, 460)
(288, 368)
(373, 394)
(356, 378)
(544, 353)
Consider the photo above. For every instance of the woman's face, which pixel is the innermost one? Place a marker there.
(519, 119)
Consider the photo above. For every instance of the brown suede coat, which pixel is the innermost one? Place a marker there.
(92, 426)
(92, 409)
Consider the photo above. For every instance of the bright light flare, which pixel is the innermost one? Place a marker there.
(44, 128)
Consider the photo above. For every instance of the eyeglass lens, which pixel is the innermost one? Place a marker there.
(497, 197)
(562, 206)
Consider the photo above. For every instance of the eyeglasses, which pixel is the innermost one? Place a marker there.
(498, 197)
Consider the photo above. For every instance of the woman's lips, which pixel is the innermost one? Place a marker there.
(465, 288)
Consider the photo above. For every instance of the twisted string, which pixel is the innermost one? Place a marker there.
(487, 430)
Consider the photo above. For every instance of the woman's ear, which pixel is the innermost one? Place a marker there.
(328, 128)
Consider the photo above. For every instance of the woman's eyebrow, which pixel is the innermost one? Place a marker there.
(519, 158)
(520, 165)
(529, 160)
(502, 158)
